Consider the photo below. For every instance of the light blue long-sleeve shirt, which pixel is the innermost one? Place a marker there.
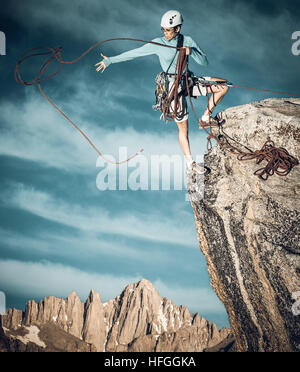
(164, 54)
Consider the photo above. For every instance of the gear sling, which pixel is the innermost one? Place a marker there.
(162, 81)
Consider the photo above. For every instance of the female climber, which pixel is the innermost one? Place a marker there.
(171, 24)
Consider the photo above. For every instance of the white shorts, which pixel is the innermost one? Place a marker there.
(197, 90)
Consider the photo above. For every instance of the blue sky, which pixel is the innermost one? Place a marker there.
(58, 231)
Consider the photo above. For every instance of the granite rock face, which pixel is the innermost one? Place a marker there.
(137, 320)
(248, 229)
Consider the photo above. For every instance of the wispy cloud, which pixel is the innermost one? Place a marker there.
(99, 220)
(66, 246)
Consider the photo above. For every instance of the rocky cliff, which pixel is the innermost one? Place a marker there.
(139, 320)
(248, 229)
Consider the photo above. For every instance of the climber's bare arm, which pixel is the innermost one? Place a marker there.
(101, 64)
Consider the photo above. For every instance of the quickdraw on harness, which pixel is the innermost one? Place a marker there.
(161, 91)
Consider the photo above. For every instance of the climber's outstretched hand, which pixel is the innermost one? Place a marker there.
(101, 64)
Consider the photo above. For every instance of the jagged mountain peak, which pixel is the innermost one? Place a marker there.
(93, 296)
(142, 285)
(73, 294)
(145, 283)
(137, 320)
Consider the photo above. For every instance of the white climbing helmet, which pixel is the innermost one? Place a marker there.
(172, 18)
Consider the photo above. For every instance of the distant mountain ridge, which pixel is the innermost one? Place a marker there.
(138, 320)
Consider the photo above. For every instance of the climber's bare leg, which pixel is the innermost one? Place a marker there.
(218, 92)
(183, 136)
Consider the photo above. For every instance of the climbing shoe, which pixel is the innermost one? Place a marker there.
(199, 168)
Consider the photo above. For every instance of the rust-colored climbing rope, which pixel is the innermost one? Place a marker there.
(55, 54)
(169, 112)
(266, 90)
(279, 160)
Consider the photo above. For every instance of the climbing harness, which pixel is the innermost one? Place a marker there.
(163, 82)
(279, 160)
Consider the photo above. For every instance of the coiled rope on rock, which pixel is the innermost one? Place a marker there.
(279, 161)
